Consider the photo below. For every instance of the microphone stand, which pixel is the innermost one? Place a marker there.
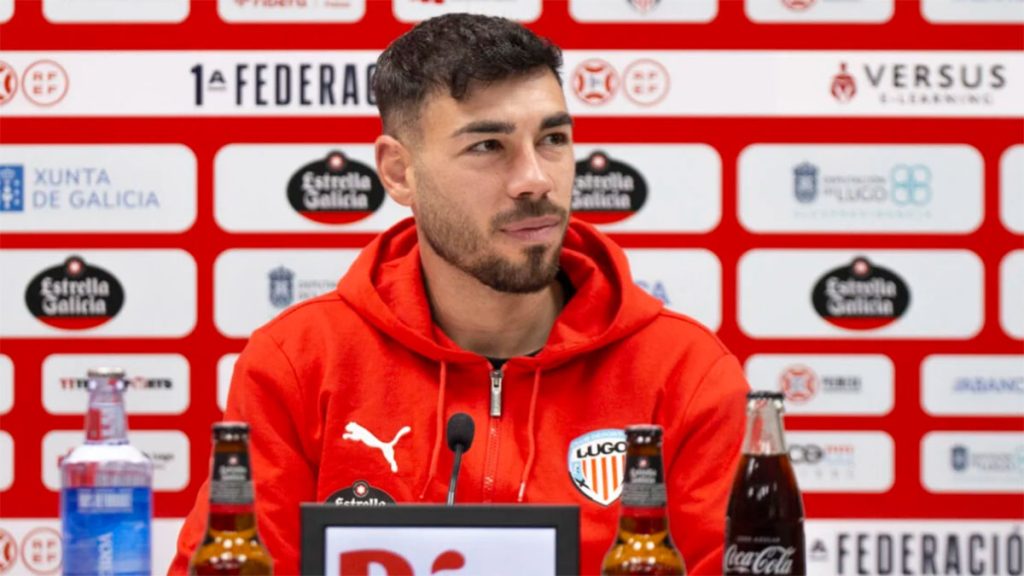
(455, 474)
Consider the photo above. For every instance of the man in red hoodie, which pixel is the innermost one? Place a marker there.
(491, 301)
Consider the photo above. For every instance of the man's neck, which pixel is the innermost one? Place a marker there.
(483, 320)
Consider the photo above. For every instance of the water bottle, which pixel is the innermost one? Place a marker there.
(106, 489)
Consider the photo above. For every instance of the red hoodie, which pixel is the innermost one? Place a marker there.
(369, 354)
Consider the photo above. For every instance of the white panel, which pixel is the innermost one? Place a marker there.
(313, 11)
(946, 546)
(159, 292)
(1011, 187)
(157, 383)
(168, 449)
(826, 384)
(251, 287)
(764, 83)
(842, 461)
(973, 385)
(71, 11)
(225, 369)
(973, 462)
(643, 11)
(683, 181)
(945, 286)
(251, 189)
(820, 11)
(1011, 294)
(521, 10)
(6, 10)
(848, 188)
(6, 460)
(36, 544)
(141, 188)
(686, 281)
(973, 11)
(6, 384)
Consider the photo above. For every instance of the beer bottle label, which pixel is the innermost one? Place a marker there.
(106, 530)
(231, 482)
(775, 549)
(644, 484)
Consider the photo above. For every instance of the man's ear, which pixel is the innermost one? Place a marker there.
(394, 166)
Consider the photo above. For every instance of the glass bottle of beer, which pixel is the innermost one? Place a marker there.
(643, 544)
(231, 544)
(764, 524)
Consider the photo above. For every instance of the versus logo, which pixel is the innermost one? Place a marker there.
(335, 190)
(74, 295)
(606, 190)
(360, 494)
(860, 296)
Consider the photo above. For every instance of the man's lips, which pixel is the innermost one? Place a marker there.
(532, 224)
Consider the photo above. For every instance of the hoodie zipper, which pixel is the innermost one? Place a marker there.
(493, 436)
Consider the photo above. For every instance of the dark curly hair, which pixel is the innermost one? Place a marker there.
(451, 52)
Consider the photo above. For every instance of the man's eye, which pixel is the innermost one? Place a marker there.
(557, 138)
(485, 146)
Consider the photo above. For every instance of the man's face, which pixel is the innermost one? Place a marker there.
(493, 178)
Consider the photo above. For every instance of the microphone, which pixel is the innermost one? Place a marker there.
(460, 438)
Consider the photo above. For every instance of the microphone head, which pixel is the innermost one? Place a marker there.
(460, 431)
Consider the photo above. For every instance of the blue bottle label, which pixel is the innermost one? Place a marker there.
(106, 530)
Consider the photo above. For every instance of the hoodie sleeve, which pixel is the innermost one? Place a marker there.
(264, 393)
(703, 435)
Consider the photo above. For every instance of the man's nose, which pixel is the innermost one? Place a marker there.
(528, 176)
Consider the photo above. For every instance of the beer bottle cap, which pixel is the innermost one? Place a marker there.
(764, 395)
(230, 430)
(646, 432)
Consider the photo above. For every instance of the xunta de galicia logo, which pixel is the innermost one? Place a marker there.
(607, 190)
(860, 296)
(74, 295)
(335, 190)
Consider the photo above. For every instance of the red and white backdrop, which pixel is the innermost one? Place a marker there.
(835, 187)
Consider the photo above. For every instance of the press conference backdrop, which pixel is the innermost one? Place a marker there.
(835, 187)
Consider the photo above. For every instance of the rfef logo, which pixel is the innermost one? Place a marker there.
(607, 190)
(860, 296)
(799, 383)
(597, 462)
(74, 295)
(335, 190)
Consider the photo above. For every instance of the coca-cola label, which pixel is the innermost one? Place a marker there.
(231, 483)
(74, 295)
(335, 190)
(860, 296)
(644, 485)
(607, 190)
(764, 548)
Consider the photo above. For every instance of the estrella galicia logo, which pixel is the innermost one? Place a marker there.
(597, 464)
(74, 295)
(860, 296)
(958, 458)
(281, 287)
(607, 190)
(361, 493)
(805, 182)
(12, 188)
(335, 190)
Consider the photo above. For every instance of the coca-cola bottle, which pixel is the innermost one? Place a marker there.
(764, 524)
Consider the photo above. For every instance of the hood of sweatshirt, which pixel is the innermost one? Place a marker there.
(385, 286)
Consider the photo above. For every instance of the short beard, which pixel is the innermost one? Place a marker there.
(453, 239)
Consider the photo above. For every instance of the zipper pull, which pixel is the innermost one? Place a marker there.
(496, 376)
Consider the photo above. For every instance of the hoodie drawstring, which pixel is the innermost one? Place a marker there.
(440, 428)
(531, 435)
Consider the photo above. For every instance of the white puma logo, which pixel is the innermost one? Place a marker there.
(357, 433)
